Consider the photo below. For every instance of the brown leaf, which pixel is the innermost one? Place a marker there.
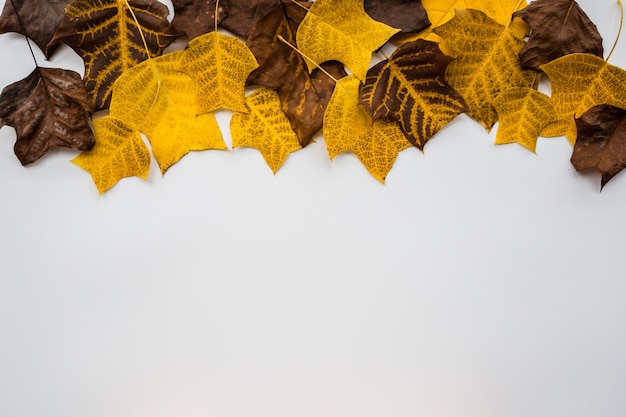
(558, 28)
(407, 15)
(105, 35)
(601, 141)
(303, 97)
(195, 18)
(40, 20)
(47, 108)
(242, 14)
(410, 87)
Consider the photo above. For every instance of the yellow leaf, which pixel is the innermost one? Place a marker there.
(580, 82)
(486, 61)
(523, 113)
(119, 153)
(348, 127)
(219, 65)
(341, 30)
(265, 127)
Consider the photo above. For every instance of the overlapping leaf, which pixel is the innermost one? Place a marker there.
(410, 87)
(242, 14)
(105, 35)
(47, 108)
(407, 15)
(558, 28)
(265, 127)
(486, 61)
(349, 128)
(195, 18)
(340, 30)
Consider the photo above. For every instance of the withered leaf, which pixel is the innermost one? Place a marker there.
(410, 87)
(242, 14)
(195, 18)
(105, 35)
(40, 20)
(303, 97)
(407, 15)
(47, 108)
(601, 141)
(558, 28)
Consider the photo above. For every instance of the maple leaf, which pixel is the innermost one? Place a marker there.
(407, 15)
(410, 87)
(219, 65)
(105, 35)
(486, 61)
(601, 142)
(39, 19)
(195, 18)
(580, 82)
(523, 113)
(47, 108)
(303, 97)
(340, 30)
(349, 128)
(558, 28)
(118, 153)
(265, 127)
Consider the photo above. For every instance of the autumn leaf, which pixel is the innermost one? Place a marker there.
(303, 97)
(580, 82)
(407, 15)
(265, 127)
(195, 18)
(47, 108)
(601, 142)
(558, 28)
(118, 153)
(349, 128)
(486, 61)
(105, 35)
(219, 65)
(340, 30)
(523, 113)
(242, 14)
(410, 87)
(40, 20)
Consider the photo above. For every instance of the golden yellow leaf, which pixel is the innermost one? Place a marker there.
(119, 153)
(486, 61)
(265, 127)
(580, 82)
(348, 127)
(523, 113)
(341, 30)
(219, 65)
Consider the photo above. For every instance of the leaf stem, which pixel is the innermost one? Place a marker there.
(217, 7)
(619, 31)
(283, 40)
(19, 20)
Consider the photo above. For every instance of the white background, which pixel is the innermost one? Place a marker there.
(480, 281)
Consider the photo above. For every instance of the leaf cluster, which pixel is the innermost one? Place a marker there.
(281, 67)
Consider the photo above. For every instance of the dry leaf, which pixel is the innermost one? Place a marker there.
(265, 127)
(195, 18)
(486, 61)
(242, 14)
(601, 142)
(349, 128)
(105, 35)
(523, 113)
(407, 15)
(558, 28)
(47, 108)
(340, 30)
(219, 65)
(410, 87)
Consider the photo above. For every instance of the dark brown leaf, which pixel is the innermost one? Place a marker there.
(407, 15)
(601, 141)
(105, 35)
(303, 97)
(40, 19)
(410, 87)
(242, 14)
(558, 28)
(195, 18)
(47, 108)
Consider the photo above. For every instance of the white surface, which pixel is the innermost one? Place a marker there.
(481, 281)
